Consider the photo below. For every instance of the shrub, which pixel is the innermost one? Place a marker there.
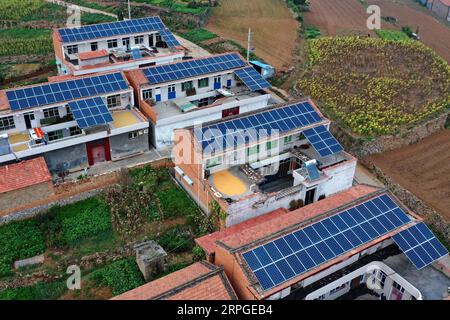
(71, 223)
(198, 254)
(39, 291)
(19, 240)
(175, 203)
(176, 239)
(121, 276)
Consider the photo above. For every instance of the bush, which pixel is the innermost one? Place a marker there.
(175, 203)
(19, 240)
(176, 239)
(312, 32)
(392, 35)
(198, 254)
(69, 224)
(39, 291)
(121, 276)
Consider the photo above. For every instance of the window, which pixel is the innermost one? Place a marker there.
(217, 79)
(139, 40)
(94, 46)
(230, 112)
(72, 49)
(51, 112)
(147, 94)
(55, 135)
(158, 38)
(213, 162)
(301, 137)
(113, 101)
(187, 85)
(112, 43)
(271, 144)
(7, 123)
(126, 42)
(287, 139)
(203, 83)
(398, 287)
(253, 150)
(69, 112)
(171, 88)
(133, 135)
(75, 131)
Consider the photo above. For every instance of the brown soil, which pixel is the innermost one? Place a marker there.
(422, 168)
(275, 31)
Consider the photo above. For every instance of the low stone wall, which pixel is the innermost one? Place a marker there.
(430, 215)
(363, 147)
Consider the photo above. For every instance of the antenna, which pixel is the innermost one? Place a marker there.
(249, 43)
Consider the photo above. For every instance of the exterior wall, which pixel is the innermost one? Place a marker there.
(71, 158)
(122, 146)
(163, 130)
(26, 195)
(341, 178)
(441, 10)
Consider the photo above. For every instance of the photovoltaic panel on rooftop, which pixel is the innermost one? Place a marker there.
(105, 30)
(252, 79)
(323, 141)
(52, 93)
(420, 245)
(169, 38)
(193, 68)
(251, 128)
(313, 172)
(298, 252)
(90, 112)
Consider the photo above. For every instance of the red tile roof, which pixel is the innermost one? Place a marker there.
(24, 174)
(445, 2)
(93, 54)
(200, 281)
(289, 219)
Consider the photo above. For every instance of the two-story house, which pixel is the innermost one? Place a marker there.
(181, 94)
(73, 123)
(116, 46)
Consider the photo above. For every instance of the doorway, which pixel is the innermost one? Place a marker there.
(98, 151)
(28, 117)
(309, 198)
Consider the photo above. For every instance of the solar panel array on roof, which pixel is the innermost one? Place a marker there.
(285, 258)
(313, 172)
(243, 130)
(90, 112)
(420, 245)
(105, 30)
(169, 38)
(193, 68)
(252, 79)
(323, 141)
(57, 92)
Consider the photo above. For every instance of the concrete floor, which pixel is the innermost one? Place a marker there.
(432, 283)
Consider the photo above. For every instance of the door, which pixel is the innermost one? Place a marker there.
(217, 82)
(230, 112)
(98, 151)
(309, 198)
(28, 117)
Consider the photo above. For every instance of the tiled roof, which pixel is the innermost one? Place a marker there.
(286, 220)
(93, 54)
(446, 2)
(4, 103)
(208, 242)
(200, 281)
(24, 174)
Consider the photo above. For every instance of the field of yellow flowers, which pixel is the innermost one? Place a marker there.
(376, 86)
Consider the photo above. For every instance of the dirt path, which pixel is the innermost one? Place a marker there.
(275, 31)
(423, 168)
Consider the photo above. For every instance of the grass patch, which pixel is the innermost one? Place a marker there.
(175, 203)
(120, 276)
(373, 86)
(39, 291)
(392, 35)
(198, 35)
(19, 240)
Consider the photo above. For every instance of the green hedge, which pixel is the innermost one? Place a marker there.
(121, 276)
(39, 291)
(19, 240)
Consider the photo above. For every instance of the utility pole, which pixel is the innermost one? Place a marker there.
(129, 10)
(249, 43)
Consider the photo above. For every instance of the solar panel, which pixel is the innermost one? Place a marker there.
(90, 112)
(105, 30)
(246, 129)
(313, 172)
(193, 68)
(285, 258)
(51, 93)
(420, 245)
(136, 54)
(169, 38)
(323, 141)
(252, 79)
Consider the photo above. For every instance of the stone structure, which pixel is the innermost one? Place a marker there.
(150, 258)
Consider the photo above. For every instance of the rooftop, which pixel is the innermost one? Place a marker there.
(23, 174)
(200, 281)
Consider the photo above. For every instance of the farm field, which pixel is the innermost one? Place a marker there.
(423, 168)
(275, 31)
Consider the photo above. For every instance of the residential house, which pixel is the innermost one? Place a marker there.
(441, 8)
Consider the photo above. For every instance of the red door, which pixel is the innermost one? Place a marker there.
(98, 151)
(230, 112)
